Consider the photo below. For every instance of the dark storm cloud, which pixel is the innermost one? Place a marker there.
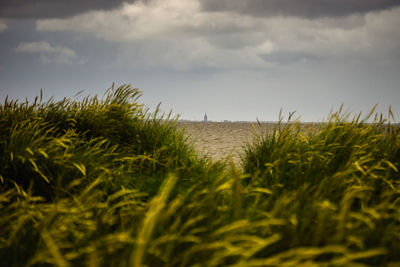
(300, 8)
(53, 8)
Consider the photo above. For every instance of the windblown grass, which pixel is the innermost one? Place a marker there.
(337, 183)
(104, 182)
(49, 145)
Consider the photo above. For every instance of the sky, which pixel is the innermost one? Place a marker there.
(237, 60)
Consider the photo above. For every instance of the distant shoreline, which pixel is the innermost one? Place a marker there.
(273, 122)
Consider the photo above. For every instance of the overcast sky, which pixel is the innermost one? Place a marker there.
(234, 59)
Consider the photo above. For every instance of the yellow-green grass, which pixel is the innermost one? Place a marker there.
(104, 182)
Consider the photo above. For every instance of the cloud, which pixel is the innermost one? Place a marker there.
(167, 33)
(288, 57)
(300, 8)
(47, 52)
(53, 8)
(3, 26)
(163, 19)
(182, 35)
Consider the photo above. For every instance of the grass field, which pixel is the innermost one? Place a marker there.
(106, 182)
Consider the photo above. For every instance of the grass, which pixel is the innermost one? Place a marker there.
(105, 182)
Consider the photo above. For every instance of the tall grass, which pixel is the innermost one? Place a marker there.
(104, 182)
(50, 144)
(337, 183)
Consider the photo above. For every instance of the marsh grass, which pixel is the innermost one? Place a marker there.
(104, 182)
(337, 182)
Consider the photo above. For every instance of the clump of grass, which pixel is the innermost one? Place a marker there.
(48, 145)
(107, 183)
(337, 183)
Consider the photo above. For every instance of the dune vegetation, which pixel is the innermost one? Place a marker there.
(106, 182)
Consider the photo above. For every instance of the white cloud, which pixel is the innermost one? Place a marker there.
(48, 53)
(179, 34)
(3, 25)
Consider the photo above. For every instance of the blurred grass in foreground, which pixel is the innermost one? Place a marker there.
(104, 182)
